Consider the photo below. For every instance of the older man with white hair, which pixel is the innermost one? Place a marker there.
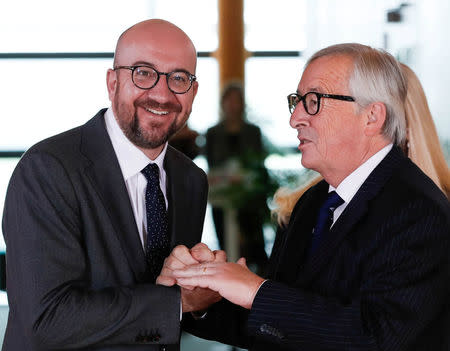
(364, 261)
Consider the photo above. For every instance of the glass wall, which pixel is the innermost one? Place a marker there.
(54, 56)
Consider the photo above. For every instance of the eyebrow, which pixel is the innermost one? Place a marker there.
(149, 64)
(143, 63)
(312, 90)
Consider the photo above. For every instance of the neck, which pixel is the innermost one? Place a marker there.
(233, 124)
(336, 175)
(152, 154)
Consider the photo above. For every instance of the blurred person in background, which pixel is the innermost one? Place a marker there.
(185, 140)
(235, 156)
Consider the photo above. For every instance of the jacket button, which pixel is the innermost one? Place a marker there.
(264, 328)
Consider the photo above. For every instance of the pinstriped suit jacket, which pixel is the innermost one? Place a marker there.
(379, 281)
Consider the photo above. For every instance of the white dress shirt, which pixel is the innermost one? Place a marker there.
(132, 161)
(351, 184)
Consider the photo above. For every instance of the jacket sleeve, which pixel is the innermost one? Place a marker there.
(48, 273)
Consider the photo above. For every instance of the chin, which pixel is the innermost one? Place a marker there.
(309, 163)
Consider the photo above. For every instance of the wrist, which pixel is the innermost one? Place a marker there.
(257, 285)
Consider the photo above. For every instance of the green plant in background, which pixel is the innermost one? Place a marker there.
(243, 182)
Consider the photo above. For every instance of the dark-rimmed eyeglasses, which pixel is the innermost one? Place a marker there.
(146, 77)
(311, 101)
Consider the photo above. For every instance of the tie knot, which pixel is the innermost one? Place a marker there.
(333, 201)
(151, 172)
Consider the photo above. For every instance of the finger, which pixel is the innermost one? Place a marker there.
(183, 254)
(202, 253)
(165, 280)
(194, 270)
(220, 256)
(186, 287)
(200, 246)
(242, 262)
(166, 272)
(172, 263)
(198, 281)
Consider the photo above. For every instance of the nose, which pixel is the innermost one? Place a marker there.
(161, 91)
(299, 118)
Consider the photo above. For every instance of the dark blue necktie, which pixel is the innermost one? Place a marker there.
(157, 244)
(325, 219)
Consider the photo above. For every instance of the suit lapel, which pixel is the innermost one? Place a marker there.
(352, 214)
(177, 191)
(298, 233)
(106, 176)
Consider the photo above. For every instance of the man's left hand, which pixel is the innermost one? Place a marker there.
(233, 281)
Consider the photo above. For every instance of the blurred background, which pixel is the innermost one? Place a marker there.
(54, 56)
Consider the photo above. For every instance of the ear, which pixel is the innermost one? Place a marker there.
(111, 83)
(375, 117)
(194, 89)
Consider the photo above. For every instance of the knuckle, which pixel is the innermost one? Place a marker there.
(179, 250)
(200, 246)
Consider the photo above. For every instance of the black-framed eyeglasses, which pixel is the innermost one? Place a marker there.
(311, 101)
(146, 77)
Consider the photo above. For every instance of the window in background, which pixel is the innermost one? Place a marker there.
(277, 37)
(268, 82)
(198, 19)
(205, 111)
(67, 26)
(275, 26)
(64, 93)
(47, 96)
(6, 168)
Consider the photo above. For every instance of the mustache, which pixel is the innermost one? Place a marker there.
(153, 104)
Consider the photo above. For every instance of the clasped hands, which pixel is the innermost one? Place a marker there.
(205, 277)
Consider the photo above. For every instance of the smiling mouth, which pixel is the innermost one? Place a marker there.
(156, 112)
(304, 141)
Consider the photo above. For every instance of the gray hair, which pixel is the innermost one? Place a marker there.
(376, 77)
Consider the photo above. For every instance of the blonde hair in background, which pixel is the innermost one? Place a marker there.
(285, 199)
(422, 147)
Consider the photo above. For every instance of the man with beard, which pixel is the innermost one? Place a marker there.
(90, 214)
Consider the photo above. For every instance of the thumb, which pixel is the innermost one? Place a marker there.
(242, 262)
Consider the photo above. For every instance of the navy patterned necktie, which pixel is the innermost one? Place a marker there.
(325, 219)
(157, 244)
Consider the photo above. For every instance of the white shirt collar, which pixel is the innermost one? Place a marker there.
(131, 159)
(350, 185)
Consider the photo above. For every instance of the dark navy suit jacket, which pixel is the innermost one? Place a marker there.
(76, 272)
(378, 281)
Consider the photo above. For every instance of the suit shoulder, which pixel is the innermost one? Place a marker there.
(181, 160)
(410, 184)
(215, 128)
(65, 146)
(252, 127)
(58, 143)
(60, 148)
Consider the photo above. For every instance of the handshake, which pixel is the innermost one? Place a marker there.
(205, 277)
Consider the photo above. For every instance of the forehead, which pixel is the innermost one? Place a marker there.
(165, 48)
(328, 74)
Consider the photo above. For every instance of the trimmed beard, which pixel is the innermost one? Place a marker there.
(141, 138)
